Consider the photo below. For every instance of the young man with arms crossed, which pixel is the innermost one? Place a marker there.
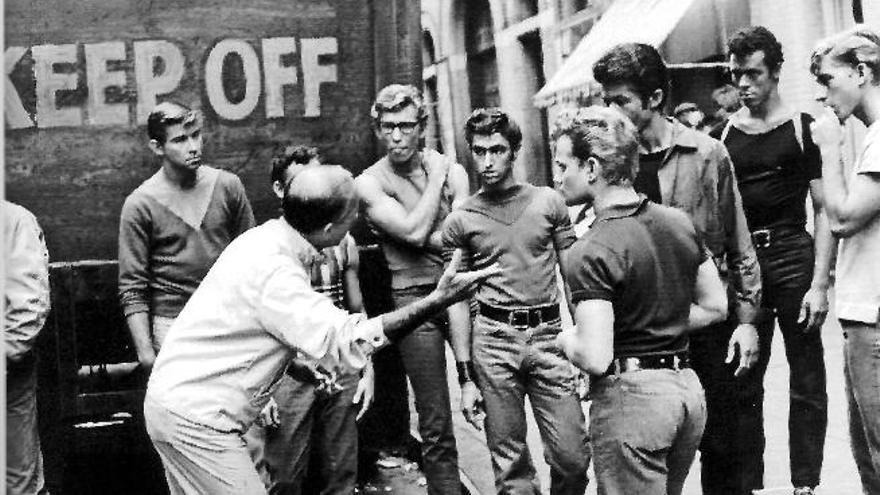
(691, 171)
(512, 350)
(405, 196)
(847, 68)
(173, 227)
(254, 311)
(776, 163)
(308, 440)
(640, 281)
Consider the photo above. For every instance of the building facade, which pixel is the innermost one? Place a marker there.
(533, 57)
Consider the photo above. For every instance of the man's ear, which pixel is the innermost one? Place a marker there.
(278, 188)
(655, 99)
(592, 166)
(157, 148)
(864, 74)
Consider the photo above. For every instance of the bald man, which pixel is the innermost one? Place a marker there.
(173, 227)
(254, 310)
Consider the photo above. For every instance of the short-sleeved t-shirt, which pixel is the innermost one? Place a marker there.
(643, 258)
(858, 264)
(521, 230)
(773, 170)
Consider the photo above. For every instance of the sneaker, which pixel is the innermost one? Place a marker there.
(804, 490)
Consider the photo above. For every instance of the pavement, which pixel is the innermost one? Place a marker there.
(839, 476)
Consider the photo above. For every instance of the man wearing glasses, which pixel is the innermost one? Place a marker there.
(173, 227)
(406, 195)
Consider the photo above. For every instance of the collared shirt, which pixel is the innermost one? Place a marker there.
(696, 176)
(643, 258)
(26, 282)
(234, 338)
(169, 238)
(858, 264)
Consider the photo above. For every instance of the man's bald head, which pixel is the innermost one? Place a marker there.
(318, 195)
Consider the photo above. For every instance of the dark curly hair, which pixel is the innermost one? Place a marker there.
(636, 64)
(298, 154)
(488, 121)
(749, 40)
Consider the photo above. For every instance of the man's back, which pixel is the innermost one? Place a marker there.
(645, 257)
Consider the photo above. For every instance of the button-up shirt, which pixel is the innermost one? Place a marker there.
(26, 287)
(234, 338)
(696, 176)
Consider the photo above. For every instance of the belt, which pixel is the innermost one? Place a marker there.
(764, 238)
(521, 318)
(677, 361)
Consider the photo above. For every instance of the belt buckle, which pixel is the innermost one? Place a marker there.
(512, 318)
(761, 238)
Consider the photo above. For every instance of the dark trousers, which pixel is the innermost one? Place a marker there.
(314, 449)
(424, 357)
(732, 451)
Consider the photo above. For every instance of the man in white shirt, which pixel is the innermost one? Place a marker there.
(231, 343)
(847, 68)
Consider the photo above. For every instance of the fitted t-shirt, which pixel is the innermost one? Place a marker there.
(521, 230)
(773, 171)
(643, 258)
(858, 265)
(647, 181)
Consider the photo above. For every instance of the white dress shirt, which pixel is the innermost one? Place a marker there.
(252, 313)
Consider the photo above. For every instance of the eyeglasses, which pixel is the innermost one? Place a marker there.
(406, 127)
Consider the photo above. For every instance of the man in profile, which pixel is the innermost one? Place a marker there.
(231, 344)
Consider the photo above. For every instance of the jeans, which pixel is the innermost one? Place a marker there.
(787, 271)
(424, 357)
(734, 423)
(24, 459)
(645, 427)
(732, 450)
(198, 459)
(314, 448)
(861, 361)
(510, 363)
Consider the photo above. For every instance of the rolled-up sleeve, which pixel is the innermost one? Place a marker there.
(745, 276)
(308, 321)
(134, 258)
(27, 282)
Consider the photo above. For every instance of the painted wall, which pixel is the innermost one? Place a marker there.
(82, 77)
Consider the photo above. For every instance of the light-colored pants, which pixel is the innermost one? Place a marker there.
(199, 460)
(511, 363)
(645, 427)
(861, 361)
(24, 461)
(161, 325)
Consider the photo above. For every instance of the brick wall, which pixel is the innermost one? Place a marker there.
(73, 166)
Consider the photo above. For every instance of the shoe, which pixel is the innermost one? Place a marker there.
(803, 490)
